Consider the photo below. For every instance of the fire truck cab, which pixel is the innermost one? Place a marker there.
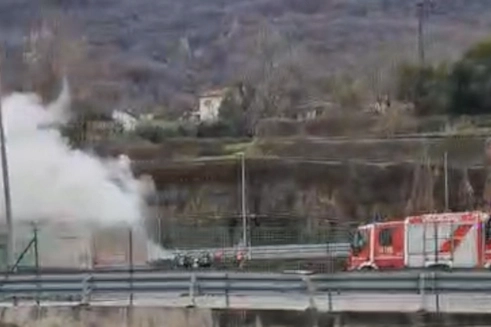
(446, 240)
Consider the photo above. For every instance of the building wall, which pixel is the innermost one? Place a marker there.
(209, 108)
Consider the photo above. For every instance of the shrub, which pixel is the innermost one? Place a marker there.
(219, 128)
(425, 87)
(158, 133)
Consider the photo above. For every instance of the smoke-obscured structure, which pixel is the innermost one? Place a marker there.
(66, 193)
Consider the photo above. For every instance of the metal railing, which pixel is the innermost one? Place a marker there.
(291, 251)
(192, 284)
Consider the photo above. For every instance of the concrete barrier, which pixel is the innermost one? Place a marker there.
(124, 316)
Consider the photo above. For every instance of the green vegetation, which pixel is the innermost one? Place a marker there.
(158, 132)
(425, 87)
(236, 148)
(460, 88)
(235, 110)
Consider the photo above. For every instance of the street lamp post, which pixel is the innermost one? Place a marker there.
(445, 167)
(6, 188)
(243, 202)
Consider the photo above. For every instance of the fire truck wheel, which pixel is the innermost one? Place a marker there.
(440, 267)
(367, 268)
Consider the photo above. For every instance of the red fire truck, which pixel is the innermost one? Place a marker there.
(443, 240)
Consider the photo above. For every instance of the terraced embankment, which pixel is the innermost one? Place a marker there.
(304, 190)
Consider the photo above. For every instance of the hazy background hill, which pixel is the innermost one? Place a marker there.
(161, 52)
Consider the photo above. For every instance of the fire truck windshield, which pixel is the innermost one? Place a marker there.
(358, 241)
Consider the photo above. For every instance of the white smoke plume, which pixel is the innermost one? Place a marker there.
(50, 181)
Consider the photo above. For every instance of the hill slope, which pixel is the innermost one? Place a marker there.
(164, 50)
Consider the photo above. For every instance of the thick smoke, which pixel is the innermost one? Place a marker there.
(50, 181)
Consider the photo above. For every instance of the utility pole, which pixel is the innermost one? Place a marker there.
(423, 9)
(36, 248)
(36, 260)
(421, 6)
(130, 245)
(6, 186)
(445, 164)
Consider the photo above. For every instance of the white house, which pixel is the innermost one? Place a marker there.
(127, 120)
(209, 104)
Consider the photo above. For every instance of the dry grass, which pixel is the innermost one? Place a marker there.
(395, 120)
(54, 322)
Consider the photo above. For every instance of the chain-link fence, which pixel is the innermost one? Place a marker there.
(63, 246)
(261, 230)
(72, 246)
(273, 242)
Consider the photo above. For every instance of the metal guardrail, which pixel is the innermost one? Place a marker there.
(291, 251)
(213, 283)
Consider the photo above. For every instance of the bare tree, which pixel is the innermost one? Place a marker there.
(487, 184)
(466, 199)
(55, 49)
(422, 199)
(279, 71)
